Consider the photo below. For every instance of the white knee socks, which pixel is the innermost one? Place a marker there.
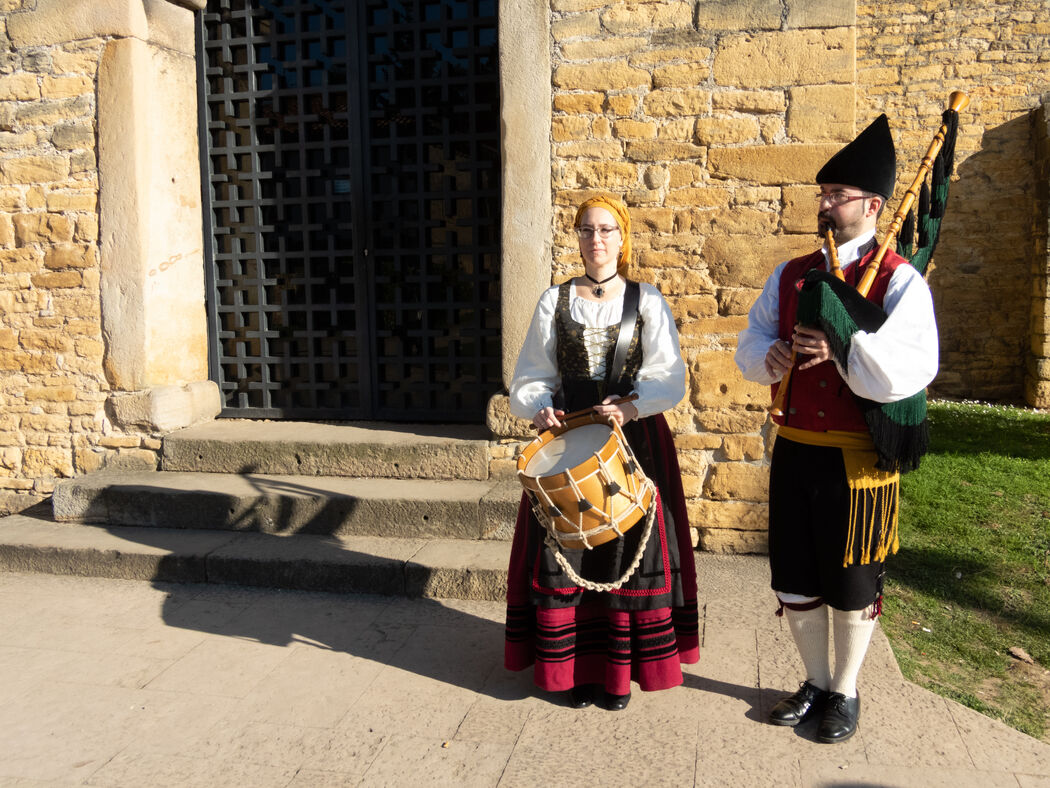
(809, 628)
(852, 630)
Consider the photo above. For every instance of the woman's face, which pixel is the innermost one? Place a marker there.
(596, 250)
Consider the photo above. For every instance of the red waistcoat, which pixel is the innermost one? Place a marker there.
(819, 398)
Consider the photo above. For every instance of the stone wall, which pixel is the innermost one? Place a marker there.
(69, 404)
(711, 119)
(910, 57)
(50, 332)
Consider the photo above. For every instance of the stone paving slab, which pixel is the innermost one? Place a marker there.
(131, 683)
(275, 504)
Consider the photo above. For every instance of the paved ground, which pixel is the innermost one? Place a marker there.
(127, 683)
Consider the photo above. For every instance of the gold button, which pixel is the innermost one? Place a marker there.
(792, 411)
(820, 413)
(823, 384)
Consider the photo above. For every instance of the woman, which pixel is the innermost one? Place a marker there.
(593, 643)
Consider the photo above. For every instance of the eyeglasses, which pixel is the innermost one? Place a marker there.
(587, 233)
(839, 198)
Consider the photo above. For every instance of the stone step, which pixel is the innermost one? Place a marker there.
(358, 449)
(286, 504)
(442, 568)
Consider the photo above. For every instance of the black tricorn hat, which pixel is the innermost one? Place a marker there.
(868, 163)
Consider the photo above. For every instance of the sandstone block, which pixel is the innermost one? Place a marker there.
(58, 280)
(733, 15)
(634, 130)
(683, 174)
(770, 164)
(600, 76)
(726, 130)
(624, 105)
(699, 440)
(748, 262)
(576, 26)
(34, 169)
(75, 62)
(733, 301)
(794, 57)
(820, 13)
(680, 75)
(87, 228)
(503, 423)
(578, 103)
(745, 447)
(71, 136)
(569, 128)
(606, 174)
(51, 394)
(49, 113)
(717, 382)
(7, 231)
(690, 307)
(71, 201)
(737, 482)
(756, 101)
(589, 150)
(658, 220)
(662, 55)
(19, 87)
(800, 209)
(667, 101)
(119, 442)
(20, 261)
(729, 514)
(66, 87)
(38, 462)
(87, 460)
(577, 5)
(602, 48)
(731, 421)
(8, 339)
(649, 150)
(821, 113)
(678, 129)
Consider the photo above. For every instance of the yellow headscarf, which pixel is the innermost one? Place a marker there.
(616, 207)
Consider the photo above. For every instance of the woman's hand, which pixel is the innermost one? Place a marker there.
(547, 418)
(621, 413)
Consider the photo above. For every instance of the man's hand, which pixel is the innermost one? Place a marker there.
(547, 418)
(778, 359)
(811, 342)
(622, 413)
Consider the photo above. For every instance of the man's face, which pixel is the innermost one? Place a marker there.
(846, 210)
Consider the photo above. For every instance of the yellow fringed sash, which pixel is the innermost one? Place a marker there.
(871, 491)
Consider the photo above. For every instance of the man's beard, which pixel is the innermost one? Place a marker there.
(825, 223)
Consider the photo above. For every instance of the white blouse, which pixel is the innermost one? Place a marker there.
(660, 383)
(894, 362)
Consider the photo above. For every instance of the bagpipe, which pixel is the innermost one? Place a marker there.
(899, 430)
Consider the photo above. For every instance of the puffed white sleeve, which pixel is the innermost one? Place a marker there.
(660, 382)
(901, 357)
(763, 329)
(536, 375)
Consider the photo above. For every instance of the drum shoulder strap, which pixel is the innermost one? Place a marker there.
(623, 340)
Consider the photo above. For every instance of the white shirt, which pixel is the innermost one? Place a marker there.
(887, 365)
(660, 383)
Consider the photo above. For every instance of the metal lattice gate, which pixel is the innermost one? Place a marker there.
(352, 201)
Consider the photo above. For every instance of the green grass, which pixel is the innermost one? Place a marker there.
(972, 578)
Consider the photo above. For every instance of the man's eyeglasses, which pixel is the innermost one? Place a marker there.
(587, 233)
(838, 198)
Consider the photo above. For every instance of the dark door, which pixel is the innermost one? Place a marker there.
(351, 165)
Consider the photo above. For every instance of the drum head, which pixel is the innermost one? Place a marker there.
(568, 450)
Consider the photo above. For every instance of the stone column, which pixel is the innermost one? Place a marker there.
(525, 114)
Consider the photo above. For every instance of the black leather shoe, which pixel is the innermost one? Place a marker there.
(617, 702)
(840, 718)
(582, 695)
(795, 708)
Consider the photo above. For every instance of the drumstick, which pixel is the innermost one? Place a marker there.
(575, 413)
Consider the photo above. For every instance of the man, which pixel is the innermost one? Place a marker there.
(833, 490)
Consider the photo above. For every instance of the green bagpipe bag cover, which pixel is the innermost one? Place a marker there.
(899, 430)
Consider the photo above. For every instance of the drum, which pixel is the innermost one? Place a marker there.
(584, 482)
